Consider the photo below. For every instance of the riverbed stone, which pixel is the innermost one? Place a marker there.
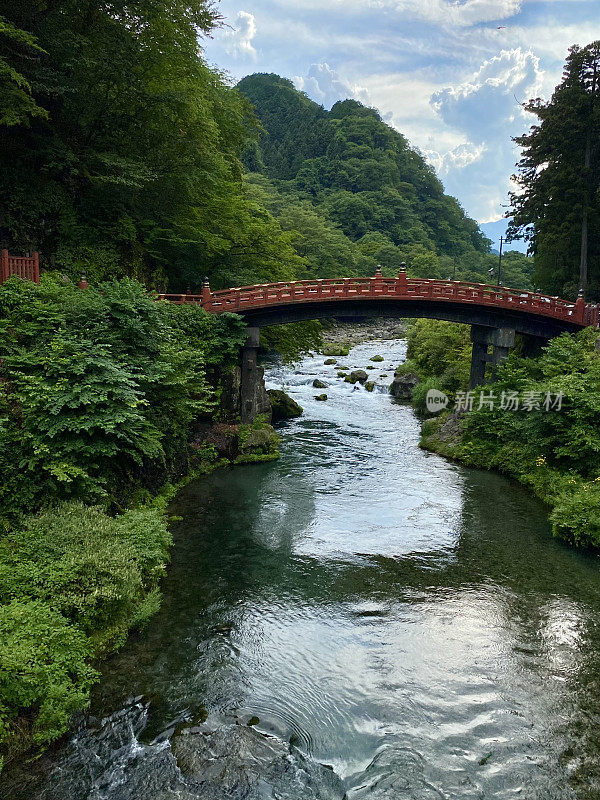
(321, 397)
(317, 384)
(369, 386)
(376, 358)
(357, 376)
(330, 361)
(403, 386)
(237, 762)
(284, 407)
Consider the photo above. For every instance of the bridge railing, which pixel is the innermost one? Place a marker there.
(25, 267)
(271, 294)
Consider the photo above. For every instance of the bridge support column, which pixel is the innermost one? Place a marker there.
(532, 345)
(500, 339)
(254, 399)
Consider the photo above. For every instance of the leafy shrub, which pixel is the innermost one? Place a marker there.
(440, 349)
(43, 666)
(96, 385)
(94, 569)
(420, 393)
(576, 515)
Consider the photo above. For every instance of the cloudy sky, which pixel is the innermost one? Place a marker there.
(449, 74)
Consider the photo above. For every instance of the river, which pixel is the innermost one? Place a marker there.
(358, 619)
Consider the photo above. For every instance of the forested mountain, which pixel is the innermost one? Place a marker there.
(357, 192)
(121, 153)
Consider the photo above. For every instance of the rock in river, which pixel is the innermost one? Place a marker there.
(403, 386)
(357, 376)
(283, 406)
(319, 384)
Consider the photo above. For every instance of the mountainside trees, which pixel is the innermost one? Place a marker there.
(357, 195)
(357, 171)
(118, 146)
(558, 206)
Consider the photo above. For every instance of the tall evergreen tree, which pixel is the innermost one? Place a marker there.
(557, 208)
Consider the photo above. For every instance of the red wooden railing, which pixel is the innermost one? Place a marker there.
(379, 288)
(26, 267)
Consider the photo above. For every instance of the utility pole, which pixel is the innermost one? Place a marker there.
(500, 261)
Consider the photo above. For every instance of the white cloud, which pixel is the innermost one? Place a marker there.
(466, 13)
(326, 87)
(443, 12)
(238, 38)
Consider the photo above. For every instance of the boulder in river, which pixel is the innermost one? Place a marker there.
(319, 384)
(376, 358)
(369, 386)
(403, 386)
(357, 376)
(321, 397)
(283, 406)
(330, 361)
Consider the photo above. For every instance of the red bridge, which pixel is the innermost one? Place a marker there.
(495, 313)
(256, 303)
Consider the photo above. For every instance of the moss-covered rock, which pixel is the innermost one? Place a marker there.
(376, 358)
(334, 349)
(330, 362)
(317, 384)
(369, 386)
(321, 397)
(284, 407)
(357, 376)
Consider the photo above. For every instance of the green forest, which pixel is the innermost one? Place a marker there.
(126, 158)
(122, 153)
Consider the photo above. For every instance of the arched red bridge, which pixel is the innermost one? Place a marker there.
(278, 303)
(495, 313)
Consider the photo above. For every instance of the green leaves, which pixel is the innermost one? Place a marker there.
(98, 385)
(559, 177)
(73, 581)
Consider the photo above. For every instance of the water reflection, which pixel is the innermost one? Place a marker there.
(410, 623)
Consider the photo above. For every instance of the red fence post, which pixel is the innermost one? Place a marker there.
(580, 306)
(4, 266)
(36, 267)
(206, 295)
(402, 283)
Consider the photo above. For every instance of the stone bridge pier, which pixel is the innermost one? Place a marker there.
(492, 346)
(254, 399)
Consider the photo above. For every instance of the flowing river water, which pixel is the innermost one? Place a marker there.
(360, 619)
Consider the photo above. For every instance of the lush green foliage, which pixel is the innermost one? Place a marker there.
(73, 581)
(118, 147)
(555, 452)
(559, 177)
(439, 351)
(98, 386)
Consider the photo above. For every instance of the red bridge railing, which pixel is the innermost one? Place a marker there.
(26, 267)
(267, 295)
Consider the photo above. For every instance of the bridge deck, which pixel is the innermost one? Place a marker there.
(270, 295)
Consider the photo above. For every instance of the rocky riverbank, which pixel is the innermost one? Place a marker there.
(353, 333)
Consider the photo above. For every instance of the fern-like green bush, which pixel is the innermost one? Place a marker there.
(73, 582)
(44, 668)
(99, 387)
